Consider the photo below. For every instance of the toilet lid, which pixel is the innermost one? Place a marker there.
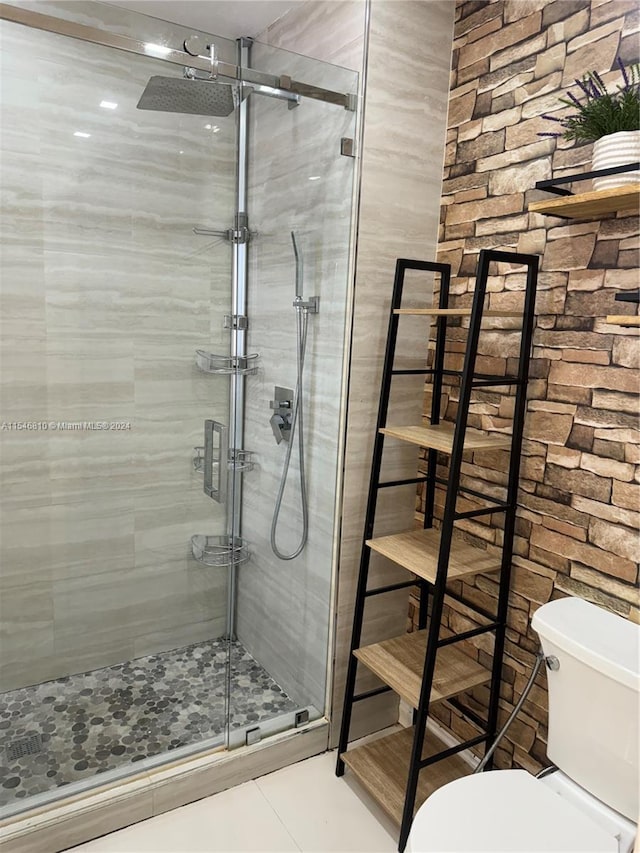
(504, 811)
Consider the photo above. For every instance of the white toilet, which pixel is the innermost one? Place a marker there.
(591, 802)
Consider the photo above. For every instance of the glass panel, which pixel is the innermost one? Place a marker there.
(113, 644)
(298, 182)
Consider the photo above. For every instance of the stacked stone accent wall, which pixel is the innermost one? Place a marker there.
(577, 528)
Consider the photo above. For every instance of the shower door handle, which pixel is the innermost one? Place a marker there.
(215, 455)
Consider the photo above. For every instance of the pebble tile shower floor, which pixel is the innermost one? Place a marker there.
(75, 727)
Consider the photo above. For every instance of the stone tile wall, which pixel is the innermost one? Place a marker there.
(577, 529)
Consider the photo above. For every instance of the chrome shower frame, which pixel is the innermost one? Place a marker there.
(201, 68)
(239, 296)
(278, 86)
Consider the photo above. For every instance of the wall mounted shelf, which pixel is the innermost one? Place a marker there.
(590, 204)
(453, 312)
(623, 320)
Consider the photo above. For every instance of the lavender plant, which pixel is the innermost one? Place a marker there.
(600, 112)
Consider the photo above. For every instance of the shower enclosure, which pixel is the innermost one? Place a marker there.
(148, 285)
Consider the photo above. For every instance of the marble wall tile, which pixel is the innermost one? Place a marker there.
(403, 146)
(106, 292)
(26, 629)
(406, 104)
(284, 607)
(312, 31)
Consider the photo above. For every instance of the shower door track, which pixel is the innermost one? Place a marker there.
(225, 70)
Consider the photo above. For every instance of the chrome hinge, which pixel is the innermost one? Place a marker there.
(352, 103)
(301, 717)
(253, 736)
(236, 321)
(347, 147)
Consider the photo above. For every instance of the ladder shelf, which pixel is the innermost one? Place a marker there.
(430, 666)
(382, 767)
(399, 662)
(440, 437)
(418, 552)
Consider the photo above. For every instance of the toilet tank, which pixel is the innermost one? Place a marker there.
(594, 699)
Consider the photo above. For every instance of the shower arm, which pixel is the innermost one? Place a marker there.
(225, 70)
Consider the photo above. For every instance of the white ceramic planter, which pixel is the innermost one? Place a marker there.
(616, 149)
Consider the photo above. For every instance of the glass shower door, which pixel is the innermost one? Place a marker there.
(300, 186)
(115, 279)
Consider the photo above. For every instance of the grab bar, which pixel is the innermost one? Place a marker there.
(215, 454)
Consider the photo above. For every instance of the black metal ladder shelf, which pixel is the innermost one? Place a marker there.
(427, 666)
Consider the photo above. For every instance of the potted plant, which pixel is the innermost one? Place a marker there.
(611, 120)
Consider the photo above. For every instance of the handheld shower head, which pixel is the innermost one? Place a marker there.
(299, 266)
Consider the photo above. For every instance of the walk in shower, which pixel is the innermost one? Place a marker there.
(151, 184)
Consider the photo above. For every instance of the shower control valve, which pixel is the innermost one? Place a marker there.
(282, 403)
(281, 427)
(282, 417)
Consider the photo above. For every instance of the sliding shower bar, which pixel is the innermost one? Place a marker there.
(284, 85)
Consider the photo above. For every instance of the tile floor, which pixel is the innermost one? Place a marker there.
(303, 807)
(70, 729)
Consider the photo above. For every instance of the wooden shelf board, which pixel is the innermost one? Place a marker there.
(624, 319)
(382, 768)
(585, 205)
(440, 437)
(453, 312)
(399, 662)
(417, 551)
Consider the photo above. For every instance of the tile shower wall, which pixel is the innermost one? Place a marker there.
(409, 47)
(577, 530)
(106, 293)
(298, 182)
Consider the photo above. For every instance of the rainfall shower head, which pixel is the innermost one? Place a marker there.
(196, 97)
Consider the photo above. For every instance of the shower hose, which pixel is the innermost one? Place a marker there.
(297, 425)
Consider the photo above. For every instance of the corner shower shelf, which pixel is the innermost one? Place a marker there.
(239, 460)
(399, 663)
(440, 437)
(210, 362)
(418, 550)
(382, 767)
(219, 550)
